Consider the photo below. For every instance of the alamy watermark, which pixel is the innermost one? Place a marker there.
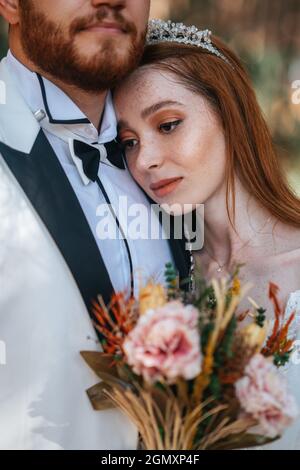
(179, 222)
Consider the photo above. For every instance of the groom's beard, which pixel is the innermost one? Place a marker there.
(55, 53)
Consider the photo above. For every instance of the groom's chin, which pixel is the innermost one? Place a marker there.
(93, 44)
(109, 57)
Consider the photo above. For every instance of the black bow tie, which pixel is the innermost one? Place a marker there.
(90, 157)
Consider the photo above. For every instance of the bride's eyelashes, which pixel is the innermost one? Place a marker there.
(168, 127)
(128, 144)
(164, 128)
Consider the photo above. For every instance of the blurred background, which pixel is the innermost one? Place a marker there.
(266, 35)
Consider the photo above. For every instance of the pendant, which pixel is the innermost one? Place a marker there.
(219, 270)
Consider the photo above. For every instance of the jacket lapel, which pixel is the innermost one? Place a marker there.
(49, 191)
(180, 256)
(179, 252)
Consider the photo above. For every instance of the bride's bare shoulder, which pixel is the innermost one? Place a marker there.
(291, 258)
(288, 240)
(295, 243)
(287, 249)
(296, 256)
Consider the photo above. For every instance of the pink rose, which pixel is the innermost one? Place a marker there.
(165, 344)
(263, 394)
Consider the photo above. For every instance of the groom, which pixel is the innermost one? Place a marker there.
(59, 162)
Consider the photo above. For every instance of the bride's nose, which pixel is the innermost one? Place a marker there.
(150, 158)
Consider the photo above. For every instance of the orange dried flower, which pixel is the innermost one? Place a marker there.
(278, 341)
(115, 321)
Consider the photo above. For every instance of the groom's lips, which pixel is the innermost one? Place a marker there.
(110, 27)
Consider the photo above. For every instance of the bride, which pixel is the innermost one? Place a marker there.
(193, 133)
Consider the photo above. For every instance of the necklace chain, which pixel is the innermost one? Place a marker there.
(220, 266)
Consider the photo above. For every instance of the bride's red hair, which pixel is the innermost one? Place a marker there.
(250, 151)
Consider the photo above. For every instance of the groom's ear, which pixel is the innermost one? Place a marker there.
(9, 9)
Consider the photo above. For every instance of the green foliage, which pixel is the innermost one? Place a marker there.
(205, 334)
(171, 279)
(281, 359)
(224, 350)
(260, 317)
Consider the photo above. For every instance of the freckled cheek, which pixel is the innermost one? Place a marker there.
(192, 156)
(137, 175)
(209, 174)
(131, 165)
(205, 163)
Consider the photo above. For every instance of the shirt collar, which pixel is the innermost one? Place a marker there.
(41, 94)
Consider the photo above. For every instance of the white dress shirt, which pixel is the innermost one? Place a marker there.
(148, 256)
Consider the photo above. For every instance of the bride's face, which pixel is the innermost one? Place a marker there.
(174, 142)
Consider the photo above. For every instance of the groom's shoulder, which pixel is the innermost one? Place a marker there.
(2, 133)
(3, 97)
(18, 127)
(4, 74)
(2, 91)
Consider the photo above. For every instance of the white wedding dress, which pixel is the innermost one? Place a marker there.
(290, 440)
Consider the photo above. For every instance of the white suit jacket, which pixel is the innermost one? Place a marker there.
(46, 283)
(44, 322)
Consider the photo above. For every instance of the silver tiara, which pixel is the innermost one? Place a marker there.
(167, 31)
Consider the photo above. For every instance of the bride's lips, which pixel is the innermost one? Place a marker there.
(166, 186)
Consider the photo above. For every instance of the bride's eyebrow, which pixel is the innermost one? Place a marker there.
(122, 124)
(157, 106)
(148, 111)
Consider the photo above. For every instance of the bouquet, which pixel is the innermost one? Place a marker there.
(188, 371)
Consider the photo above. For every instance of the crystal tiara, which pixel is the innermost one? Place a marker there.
(167, 31)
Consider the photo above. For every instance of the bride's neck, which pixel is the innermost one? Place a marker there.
(251, 222)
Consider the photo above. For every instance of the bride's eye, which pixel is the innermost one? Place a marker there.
(168, 127)
(129, 144)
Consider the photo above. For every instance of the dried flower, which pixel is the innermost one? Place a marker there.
(254, 336)
(264, 395)
(236, 286)
(151, 296)
(278, 343)
(114, 321)
(165, 344)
